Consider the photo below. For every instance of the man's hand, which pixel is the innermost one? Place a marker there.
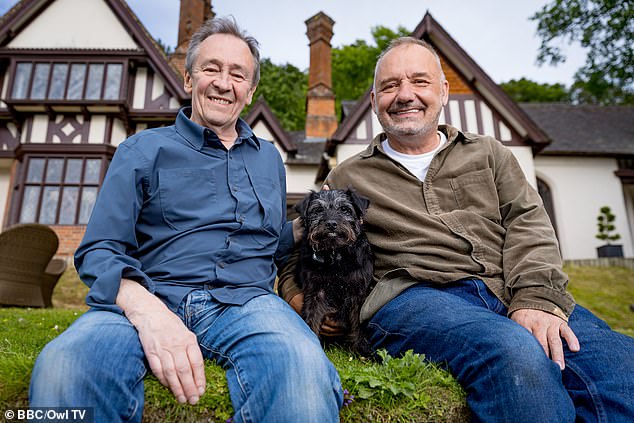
(548, 329)
(298, 230)
(329, 328)
(171, 349)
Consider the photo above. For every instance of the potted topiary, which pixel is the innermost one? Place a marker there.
(605, 224)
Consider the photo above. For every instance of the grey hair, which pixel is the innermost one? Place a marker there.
(227, 26)
(401, 41)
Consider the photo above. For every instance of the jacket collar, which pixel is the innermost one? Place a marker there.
(453, 135)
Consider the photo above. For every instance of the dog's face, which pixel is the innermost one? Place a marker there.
(332, 219)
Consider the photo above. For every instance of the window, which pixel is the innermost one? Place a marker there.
(59, 190)
(67, 81)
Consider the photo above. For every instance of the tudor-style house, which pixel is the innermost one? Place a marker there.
(73, 87)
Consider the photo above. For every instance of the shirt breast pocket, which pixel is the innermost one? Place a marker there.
(269, 196)
(476, 192)
(187, 197)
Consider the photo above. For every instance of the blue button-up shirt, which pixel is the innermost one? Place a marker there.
(178, 211)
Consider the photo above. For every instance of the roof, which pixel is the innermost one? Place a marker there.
(25, 11)
(262, 112)
(585, 129)
(431, 31)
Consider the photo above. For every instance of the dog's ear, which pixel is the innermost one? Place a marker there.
(360, 203)
(302, 206)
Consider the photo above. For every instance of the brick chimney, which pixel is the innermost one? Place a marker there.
(321, 119)
(192, 15)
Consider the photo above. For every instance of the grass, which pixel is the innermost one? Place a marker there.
(406, 389)
(607, 291)
(394, 390)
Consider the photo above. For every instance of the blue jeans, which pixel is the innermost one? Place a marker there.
(275, 367)
(502, 367)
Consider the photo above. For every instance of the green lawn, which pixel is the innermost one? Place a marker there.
(407, 389)
(607, 291)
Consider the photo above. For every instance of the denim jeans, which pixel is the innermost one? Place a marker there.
(275, 367)
(502, 367)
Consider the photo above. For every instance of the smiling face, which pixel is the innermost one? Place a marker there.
(221, 84)
(408, 96)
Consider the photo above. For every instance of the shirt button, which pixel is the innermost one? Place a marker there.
(221, 264)
(241, 219)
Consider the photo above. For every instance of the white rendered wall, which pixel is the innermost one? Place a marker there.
(75, 24)
(580, 187)
(300, 179)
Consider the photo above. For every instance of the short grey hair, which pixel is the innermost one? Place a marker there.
(227, 26)
(402, 41)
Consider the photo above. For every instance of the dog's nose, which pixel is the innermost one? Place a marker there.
(331, 225)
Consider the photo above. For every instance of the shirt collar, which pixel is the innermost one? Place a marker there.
(452, 134)
(195, 134)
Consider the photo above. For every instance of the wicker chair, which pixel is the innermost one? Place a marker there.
(28, 272)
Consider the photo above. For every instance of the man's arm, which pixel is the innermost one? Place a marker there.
(171, 349)
(117, 282)
(534, 279)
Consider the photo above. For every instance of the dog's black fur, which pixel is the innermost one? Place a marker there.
(336, 262)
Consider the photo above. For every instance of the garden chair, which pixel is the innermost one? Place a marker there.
(28, 272)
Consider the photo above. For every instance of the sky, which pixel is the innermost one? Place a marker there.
(497, 34)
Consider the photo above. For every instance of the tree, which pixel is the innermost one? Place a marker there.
(166, 48)
(605, 225)
(284, 88)
(527, 91)
(606, 29)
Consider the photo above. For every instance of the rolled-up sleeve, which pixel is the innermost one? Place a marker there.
(104, 256)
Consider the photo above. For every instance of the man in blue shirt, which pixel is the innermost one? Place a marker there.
(180, 258)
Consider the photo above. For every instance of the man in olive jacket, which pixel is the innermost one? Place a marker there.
(467, 269)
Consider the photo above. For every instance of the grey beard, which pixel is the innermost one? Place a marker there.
(396, 130)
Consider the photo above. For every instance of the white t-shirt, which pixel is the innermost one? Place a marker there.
(417, 164)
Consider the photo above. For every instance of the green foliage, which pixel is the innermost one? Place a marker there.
(284, 89)
(605, 225)
(166, 48)
(392, 377)
(605, 28)
(527, 91)
(404, 389)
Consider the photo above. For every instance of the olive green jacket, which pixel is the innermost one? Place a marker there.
(474, 216)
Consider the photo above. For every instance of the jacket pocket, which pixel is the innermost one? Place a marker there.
(476, 192)
(187, 197)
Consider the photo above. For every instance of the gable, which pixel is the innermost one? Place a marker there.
(72, 24)
(476, 103)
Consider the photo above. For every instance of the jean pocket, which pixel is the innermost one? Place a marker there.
(489, 299)
(187, 197)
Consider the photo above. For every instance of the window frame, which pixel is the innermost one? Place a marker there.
(52, 61)
(42, 184)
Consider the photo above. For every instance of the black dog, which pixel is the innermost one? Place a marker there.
(336, 263)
